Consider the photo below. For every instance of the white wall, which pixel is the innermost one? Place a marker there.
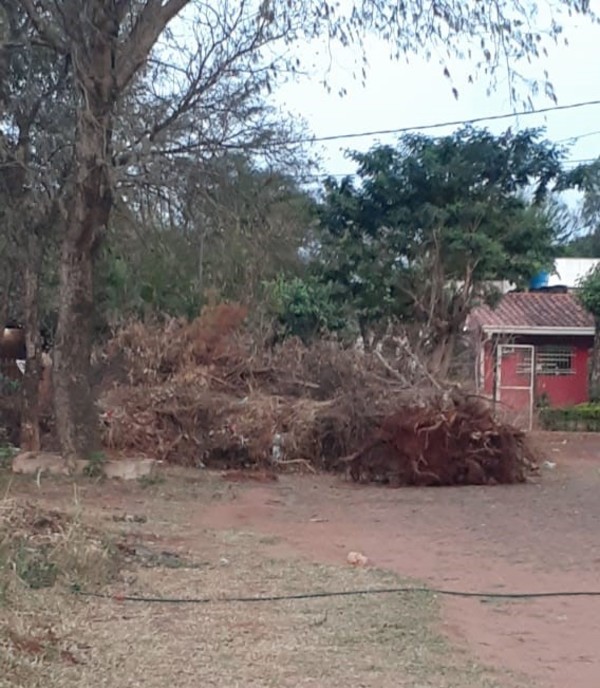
(568, 271)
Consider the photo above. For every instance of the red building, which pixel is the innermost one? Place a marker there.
(532, 347)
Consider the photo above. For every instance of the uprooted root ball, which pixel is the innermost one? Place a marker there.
(459, 445)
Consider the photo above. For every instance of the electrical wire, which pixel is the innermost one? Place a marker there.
(337, 593)
(577, 137)
(440, 125)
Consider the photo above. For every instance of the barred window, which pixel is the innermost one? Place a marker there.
(554, 360)
(524, 360)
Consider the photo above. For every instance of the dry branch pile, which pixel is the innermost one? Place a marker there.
(203, 393)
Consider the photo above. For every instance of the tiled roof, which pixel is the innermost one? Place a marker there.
(533, 310)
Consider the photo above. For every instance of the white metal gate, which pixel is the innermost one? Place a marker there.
(515, 383)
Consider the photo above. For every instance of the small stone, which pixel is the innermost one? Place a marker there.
(357, 559)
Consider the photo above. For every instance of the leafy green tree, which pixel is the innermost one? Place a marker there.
(433, 221)
(303, 307)
(231, 226)
(586, 178)
(589, 295)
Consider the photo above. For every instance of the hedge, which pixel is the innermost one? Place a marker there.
(584, 417)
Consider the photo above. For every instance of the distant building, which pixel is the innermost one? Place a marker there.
(534, 346)
(568, 272)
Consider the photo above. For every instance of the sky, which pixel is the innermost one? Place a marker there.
(397, 95)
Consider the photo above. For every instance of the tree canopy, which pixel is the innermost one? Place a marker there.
(589, 292)
(230, 226)
(432, 221)
(589, 295)
(586, 244)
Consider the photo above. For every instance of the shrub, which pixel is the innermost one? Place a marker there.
(583, 417)
(304, 308)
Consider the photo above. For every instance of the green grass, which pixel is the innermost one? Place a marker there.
(7, 453)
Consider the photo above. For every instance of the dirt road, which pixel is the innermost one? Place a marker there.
(535, 537)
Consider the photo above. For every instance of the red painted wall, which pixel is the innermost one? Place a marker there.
(566, 390)
(561, 390)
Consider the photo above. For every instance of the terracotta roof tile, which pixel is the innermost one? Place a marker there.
(532, 310)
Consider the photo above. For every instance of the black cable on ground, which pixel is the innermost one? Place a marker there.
(338, 593)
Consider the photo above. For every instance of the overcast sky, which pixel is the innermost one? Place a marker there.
(401, 95)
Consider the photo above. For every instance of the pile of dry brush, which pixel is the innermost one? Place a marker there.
(203, 393)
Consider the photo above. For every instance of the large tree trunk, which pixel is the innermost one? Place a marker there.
(103, 67)
(5, 298)
(88, 211)
(30, 422)
(76, 416)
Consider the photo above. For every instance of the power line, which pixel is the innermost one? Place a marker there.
(338, 593)
(449, 123)
(578, 136)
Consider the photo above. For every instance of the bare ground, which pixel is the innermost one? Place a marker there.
(294, 535)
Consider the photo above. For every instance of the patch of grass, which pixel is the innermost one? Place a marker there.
(44, 554)
(95, 466)
(151, 480)
(378, 641)
(33, 566)
(7, 453)
(39, 549)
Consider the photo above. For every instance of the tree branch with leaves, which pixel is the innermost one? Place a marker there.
(589, 296)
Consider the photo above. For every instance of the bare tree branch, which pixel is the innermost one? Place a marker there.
(150, 24)
(46, 30)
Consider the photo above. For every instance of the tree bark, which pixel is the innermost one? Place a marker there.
(76, 416)
(30, 409)
(88, 211)
(103, 67)
(5, 299)
(442, 355)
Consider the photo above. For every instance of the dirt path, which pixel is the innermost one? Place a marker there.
(49, 637)
(527, 538)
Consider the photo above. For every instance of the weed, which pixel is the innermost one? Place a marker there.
(7, 452)
(41, 549)
(33, 566)
(150, 480)
(95, 465)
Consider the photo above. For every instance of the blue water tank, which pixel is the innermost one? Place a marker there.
(540, 280)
